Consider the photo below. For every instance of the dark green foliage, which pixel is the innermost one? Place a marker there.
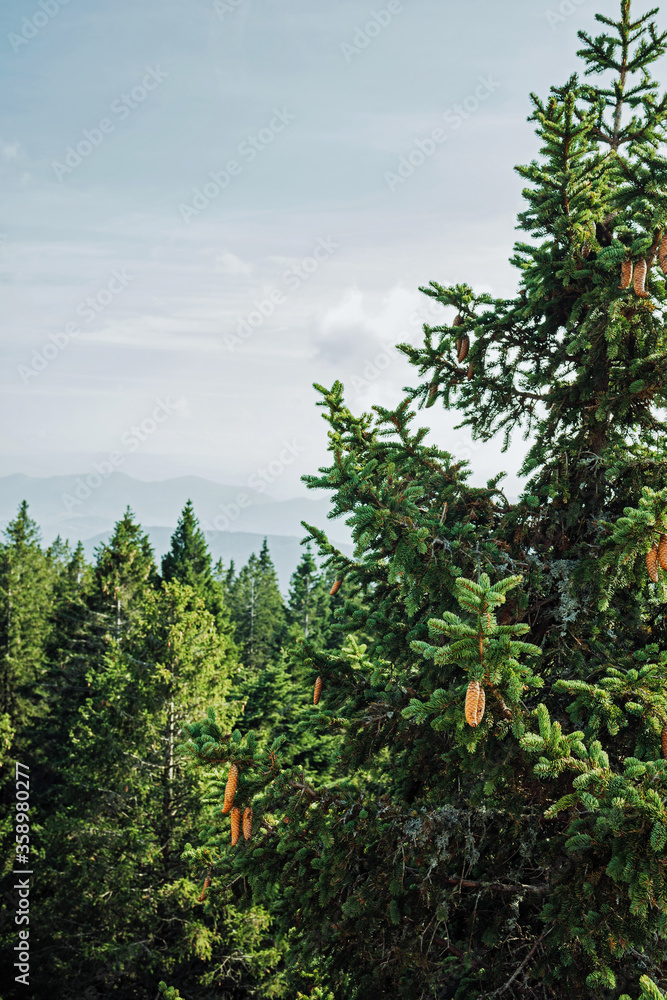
(189, 561)
(128, 802)
(523, 857)
(257, 611)
(113, 801)
(308, 606)
(26, 594)
(124, 568)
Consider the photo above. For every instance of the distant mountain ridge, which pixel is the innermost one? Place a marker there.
(235, 519)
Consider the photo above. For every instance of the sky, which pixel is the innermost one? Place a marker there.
(208, 206)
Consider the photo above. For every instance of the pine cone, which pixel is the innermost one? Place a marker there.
(626, 274)
(335, 588)
(470, 372)
(639, 280)
(236, 824)
(207, 882)
(585, 250)
(247, 823)
(458, 320)
(663, 742)
(475, 701)
(464, 347)
(662, 254)
(652, 563)
(230, 788)
(319, 683)
(432, 394)
(662, 552)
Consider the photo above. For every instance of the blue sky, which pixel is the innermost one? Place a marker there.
(133, 281)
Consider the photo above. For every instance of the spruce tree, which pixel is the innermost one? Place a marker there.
(308, 605)
(189, 561)
(498, 824)
(257, 610)
(25, 606)
(124, 567)
(121, 911)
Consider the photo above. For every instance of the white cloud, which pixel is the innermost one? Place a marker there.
(9, 150)
(229, 263)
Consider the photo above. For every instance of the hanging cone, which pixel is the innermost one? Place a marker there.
(336, 587)
(432, 394)
(230, 789)
(639, 280)
(663, 742)
(652, 563)
(475, 701)
(662, 552)
(662, 254)
(585, 250)
(626, 274)
(464, 347)
(207, 882)
(470, 372)
(247, 823)
(458, 320)
(236, 824)
(319, 683)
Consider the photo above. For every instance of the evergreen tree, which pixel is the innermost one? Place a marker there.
(25, 605)
(124, 568)
(189, 561)
(308, 606)
(121, 910)
(257, 610)
(499, 823)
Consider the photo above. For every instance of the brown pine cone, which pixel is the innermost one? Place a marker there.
(247, 823)
(207, 882)
(639, 279)
(464, 347)
(662, 552)
(475, 701)
(236, 824)
(230, 788)
(662, 254)
(626, 274)
(652, 563)
(319, 684)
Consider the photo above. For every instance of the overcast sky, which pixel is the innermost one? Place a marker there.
(203, 215)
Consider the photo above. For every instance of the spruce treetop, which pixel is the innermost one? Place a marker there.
(573, 357)
(124, 564)
(189, 559)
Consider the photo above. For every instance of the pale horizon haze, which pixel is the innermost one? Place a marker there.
(207, 207)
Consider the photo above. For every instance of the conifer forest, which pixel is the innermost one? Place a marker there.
(438, 767)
